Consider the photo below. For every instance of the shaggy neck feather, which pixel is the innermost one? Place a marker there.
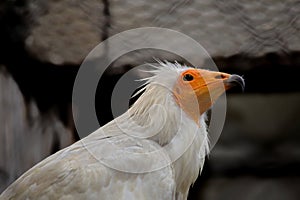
(185, 141)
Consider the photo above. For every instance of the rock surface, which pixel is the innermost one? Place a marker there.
(26, 135)
(64, 31)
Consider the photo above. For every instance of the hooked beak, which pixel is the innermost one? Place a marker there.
(234, 80)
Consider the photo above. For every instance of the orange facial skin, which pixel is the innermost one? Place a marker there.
(196, 90)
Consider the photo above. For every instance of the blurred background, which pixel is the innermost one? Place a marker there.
(42, 44)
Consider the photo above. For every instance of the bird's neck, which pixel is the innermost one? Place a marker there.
(188, 150)
(158, 117)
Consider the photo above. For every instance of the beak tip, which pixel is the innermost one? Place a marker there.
(235, 80)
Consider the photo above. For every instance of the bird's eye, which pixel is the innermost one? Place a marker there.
(188, 77)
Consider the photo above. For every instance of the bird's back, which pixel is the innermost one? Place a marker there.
(111, 166)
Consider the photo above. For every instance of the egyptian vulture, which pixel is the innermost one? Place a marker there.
(155, 150)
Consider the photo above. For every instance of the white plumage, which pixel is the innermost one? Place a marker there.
(153, 151)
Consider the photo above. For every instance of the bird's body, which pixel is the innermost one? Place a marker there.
(153, 151)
